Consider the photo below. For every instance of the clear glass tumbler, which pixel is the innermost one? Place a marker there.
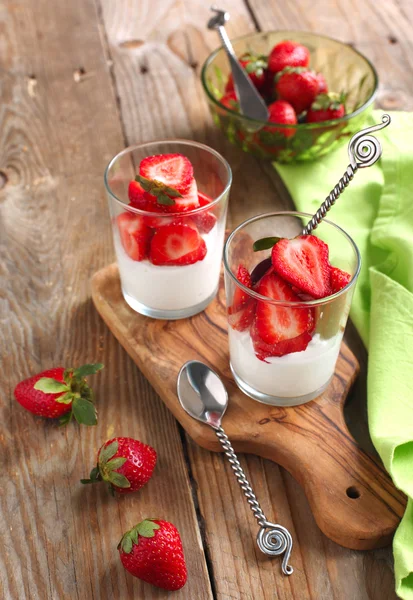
(169, 291)
(298, 376)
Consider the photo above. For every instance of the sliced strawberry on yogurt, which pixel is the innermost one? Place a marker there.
(135, 235)
(136, 193)
(303, 262)
(188, 200)
(240, 297)
(264, 350)
(173, 170)
(176, 245)
(338, 279)
(242, 320)
(205, 219)
(276, 323)
(204, 199)
(242, 310)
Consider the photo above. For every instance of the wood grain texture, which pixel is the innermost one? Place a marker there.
(78, 83)
(311, 441)
(58, 130)
(380, 30)
(148, 87)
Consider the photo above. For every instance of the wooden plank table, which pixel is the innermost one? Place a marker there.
(79, 81)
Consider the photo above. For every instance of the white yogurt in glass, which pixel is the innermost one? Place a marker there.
(294, 375)
(172, 288)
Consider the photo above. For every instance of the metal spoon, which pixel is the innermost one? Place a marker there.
(363, 150)
(204, 397)
(251, 103)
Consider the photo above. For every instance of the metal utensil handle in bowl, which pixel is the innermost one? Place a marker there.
(251, 102)
(272, 539)
(363, 151)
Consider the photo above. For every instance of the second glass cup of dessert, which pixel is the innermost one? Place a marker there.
(168, 204)
(287, 305)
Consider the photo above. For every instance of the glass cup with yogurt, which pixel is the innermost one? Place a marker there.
(297, 368)
(169, 255)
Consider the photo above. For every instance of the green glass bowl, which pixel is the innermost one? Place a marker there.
(344, 69)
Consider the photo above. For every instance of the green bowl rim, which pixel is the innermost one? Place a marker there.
(298, 125)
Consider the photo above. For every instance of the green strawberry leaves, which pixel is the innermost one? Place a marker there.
(89, 369)
(256, 63)
(75, 391)
(107, 452)
(93, 477)
(108, 465)
(50, 386)
(265, 243)
(289, 70)
(164, 194)
(332, 101)
(84, 411)
(145, 529)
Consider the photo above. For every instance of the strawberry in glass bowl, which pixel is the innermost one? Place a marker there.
(168, 203)
(288, 299)
(326, 87)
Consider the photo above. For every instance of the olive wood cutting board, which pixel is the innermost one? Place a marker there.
(352, 498)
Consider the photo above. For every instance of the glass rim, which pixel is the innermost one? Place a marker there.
(296, 126)
(146, 213)
(302, 303)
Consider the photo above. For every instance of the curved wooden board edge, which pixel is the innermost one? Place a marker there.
(352, 497)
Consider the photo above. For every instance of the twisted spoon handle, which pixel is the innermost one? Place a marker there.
(363, 151)
(272, 539)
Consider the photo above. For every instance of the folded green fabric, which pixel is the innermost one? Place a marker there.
(377, 211)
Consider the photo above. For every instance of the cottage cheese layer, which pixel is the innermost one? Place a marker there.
(175, 287)
(290, 376)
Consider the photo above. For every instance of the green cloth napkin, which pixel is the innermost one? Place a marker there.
(377, 211)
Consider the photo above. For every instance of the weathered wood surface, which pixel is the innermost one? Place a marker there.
(352, 498)
(79, 81)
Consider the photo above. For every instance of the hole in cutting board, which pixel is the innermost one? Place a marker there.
(352, 492)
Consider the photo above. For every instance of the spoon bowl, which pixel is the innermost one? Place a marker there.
(201, 393)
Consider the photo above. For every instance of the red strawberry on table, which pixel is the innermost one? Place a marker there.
(288, 54)
(282, 112)
(326, 107)
(152, 551)
(298, 86)
(125, 464)
(338, 279)
(135, 235)
(176, 245)
(276, 323)
(60, 393)
(242, 310)
(303, 262)
(255, 65)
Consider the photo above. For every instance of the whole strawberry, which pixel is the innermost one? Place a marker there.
(255, 65)
(60, 393)
(326, 107)
(152, 551)
(288, 54)
(298, 86)
(281, 111)
(125, 464)
(230, 100)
